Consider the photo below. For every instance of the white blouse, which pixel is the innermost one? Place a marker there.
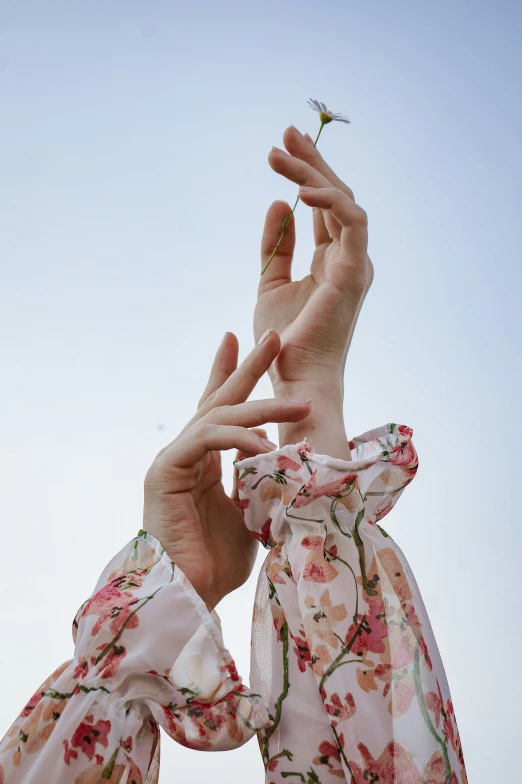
(346, 682)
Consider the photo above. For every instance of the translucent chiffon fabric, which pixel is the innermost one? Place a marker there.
(346, 681)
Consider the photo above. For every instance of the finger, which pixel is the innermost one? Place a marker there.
(259, 412)
(301, 146)
(244, 379)
(279, 270)
(302, 173)
(353, 268)
(321, 234)
(225, 362)
(296, 170)
(204, 437)
(260, 431)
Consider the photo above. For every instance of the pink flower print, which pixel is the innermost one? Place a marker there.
(68, 753)
(394, 766)
(87, 735)
(264, 534)
(382, 512)
(302, 651)
(367, 635)
(403, 454)
(311, 490)
(230, 668)
(317, 569)
(275, 569)
(33, 702)
(111, 603)
(111, 662)
(435, 772)
(403, 692)
(37, 696)
(404, 430)
(81, 669)
(425, 653)
(270, 488)
(327, 749)
(321, 659)
(435, 704)
(342, 711)
(366, 677)
(304, 450)
(279, 620)
(323, 618)
(287, 464)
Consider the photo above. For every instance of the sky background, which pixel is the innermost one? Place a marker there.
(133, 188)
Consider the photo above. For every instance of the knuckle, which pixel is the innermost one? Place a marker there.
(218, 414)
(202, 430)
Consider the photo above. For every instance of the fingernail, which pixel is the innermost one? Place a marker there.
(263, 337)
(278, 149)
(296, 130)
(268, 443)
(306, 189)
(301, 401)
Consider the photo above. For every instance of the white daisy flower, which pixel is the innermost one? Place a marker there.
(325, 114)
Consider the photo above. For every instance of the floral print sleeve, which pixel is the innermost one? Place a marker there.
(352, 677)
(346, 680)
(147, 653)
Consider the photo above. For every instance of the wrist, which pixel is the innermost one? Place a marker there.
(328, 389)
(324, 427)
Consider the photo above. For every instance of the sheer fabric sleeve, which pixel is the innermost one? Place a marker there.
(147, 652)
(342, 649)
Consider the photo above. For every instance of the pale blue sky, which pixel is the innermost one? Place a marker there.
(133, 188)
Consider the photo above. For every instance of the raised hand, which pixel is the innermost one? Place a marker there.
(185, 505)
(315, 317)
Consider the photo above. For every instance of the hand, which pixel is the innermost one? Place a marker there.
(314, 317)
(185, 506)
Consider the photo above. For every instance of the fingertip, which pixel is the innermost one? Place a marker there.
(300, 401)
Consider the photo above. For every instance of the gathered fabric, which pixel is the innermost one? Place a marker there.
(346, 681)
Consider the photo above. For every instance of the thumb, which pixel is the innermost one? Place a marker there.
(280, 268)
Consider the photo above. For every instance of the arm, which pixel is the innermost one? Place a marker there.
(138, 641)
(316, 316)
(350, 637)
(147, 650)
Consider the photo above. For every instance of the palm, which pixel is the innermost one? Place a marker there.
(218, 552)
(310, 315)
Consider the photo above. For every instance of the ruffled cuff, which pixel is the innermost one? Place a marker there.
(147, 651)
(273, 487)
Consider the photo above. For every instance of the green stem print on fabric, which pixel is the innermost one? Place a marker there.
(426, 716)
(112, 643)
(343, 755)
(267, 734)
(367, 585)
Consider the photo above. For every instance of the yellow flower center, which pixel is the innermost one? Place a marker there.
(325, 118)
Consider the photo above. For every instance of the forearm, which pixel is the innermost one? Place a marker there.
(324, 427)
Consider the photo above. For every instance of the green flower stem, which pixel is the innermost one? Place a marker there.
(426, 715)
(289, 216)
(341, 751)
(284, 633)
(337, 661)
